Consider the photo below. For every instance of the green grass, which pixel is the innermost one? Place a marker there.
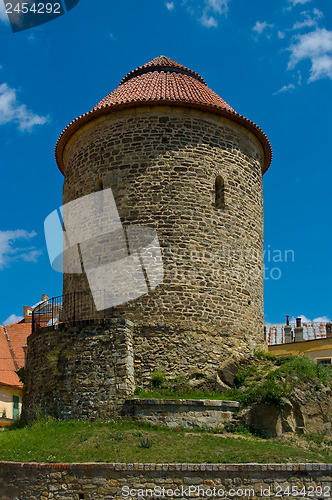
(77, 441)
(270, 380)
(263, 379)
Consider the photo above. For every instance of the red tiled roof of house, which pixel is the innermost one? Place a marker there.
(162, 81)
(18, 334)
(8, 375)
(12, 339)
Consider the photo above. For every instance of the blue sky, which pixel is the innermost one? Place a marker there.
(271, 61)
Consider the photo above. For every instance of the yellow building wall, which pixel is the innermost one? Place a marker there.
(315, 349)
(6, 399)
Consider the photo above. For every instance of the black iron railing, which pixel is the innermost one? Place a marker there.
(69, 309)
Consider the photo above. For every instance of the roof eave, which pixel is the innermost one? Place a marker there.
(79, 122)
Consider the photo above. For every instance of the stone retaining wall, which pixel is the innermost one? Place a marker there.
(79, 372)
(89, 371)
(24, 481)
(208, 414)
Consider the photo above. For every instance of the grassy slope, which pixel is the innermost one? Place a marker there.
(53, 441)
(263, 378)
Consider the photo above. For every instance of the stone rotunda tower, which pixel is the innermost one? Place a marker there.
(180, 160)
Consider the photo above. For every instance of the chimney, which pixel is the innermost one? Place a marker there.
(298, 331)
(288, 331)
(27, 313)
(44, 297)
(25, 349)
(328, 330)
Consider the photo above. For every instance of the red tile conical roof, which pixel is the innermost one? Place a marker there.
(162, 81)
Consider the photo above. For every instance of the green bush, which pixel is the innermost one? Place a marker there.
(157, 379)
(243, 374)
(305, 369)
(20, 374)
(145, 443)
(259, 354)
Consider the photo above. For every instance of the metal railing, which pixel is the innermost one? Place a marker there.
(275, 334)
(69, 309)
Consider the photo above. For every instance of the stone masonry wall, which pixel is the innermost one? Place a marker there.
(79, 372)
(187, 413)
(88, 371)
(161, 164)
(179, 351)
(24, 481)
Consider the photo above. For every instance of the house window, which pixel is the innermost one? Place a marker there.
(324, 361)
(16, 407)
(219, 192)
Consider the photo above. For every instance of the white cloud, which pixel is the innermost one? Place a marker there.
(208, 21)
(218, 6)
(321, 68)
(281, 35)
(317, 47)
(303, 318)
(310, 19)
(9, 253)
(13, 112)
(12, 319)
(321, 319)
(285, 88)
(169, 5)
(208, 11)
(299, 2)
(259, 27)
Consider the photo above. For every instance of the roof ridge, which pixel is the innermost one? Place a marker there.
(11, 350)
(162, 63)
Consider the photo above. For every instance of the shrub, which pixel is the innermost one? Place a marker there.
(260, 354)
(157, 379)
(305, 369)
(243, 374)
(118, 436)
(145, 443)
(273, 391)
(20, 374)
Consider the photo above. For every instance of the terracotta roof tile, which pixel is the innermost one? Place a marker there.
(8, 375)
(12, 339)
(162, 81)
(163, 86)
(18, 335)
(161, 62)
